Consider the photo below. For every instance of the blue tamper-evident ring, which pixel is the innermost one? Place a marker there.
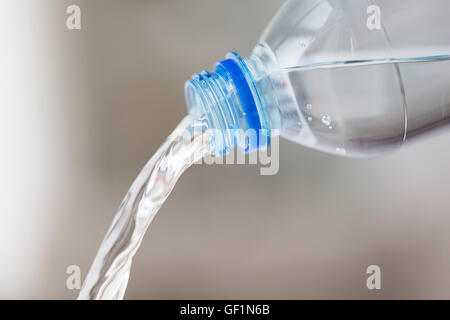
(245, 96)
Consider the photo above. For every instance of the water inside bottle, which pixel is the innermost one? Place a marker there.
(363, 107)
(110, 271)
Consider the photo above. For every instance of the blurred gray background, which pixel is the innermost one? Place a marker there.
(82, 111)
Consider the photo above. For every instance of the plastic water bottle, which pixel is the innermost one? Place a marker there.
(350, 77)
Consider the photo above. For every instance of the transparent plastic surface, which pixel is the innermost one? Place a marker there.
(355, 77)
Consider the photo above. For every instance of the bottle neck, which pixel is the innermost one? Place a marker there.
(230, 102)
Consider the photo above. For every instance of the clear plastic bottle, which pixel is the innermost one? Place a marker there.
(350, 77)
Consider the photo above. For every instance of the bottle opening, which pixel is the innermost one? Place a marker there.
(229, 99)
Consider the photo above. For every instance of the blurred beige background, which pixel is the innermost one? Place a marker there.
(82, 111)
